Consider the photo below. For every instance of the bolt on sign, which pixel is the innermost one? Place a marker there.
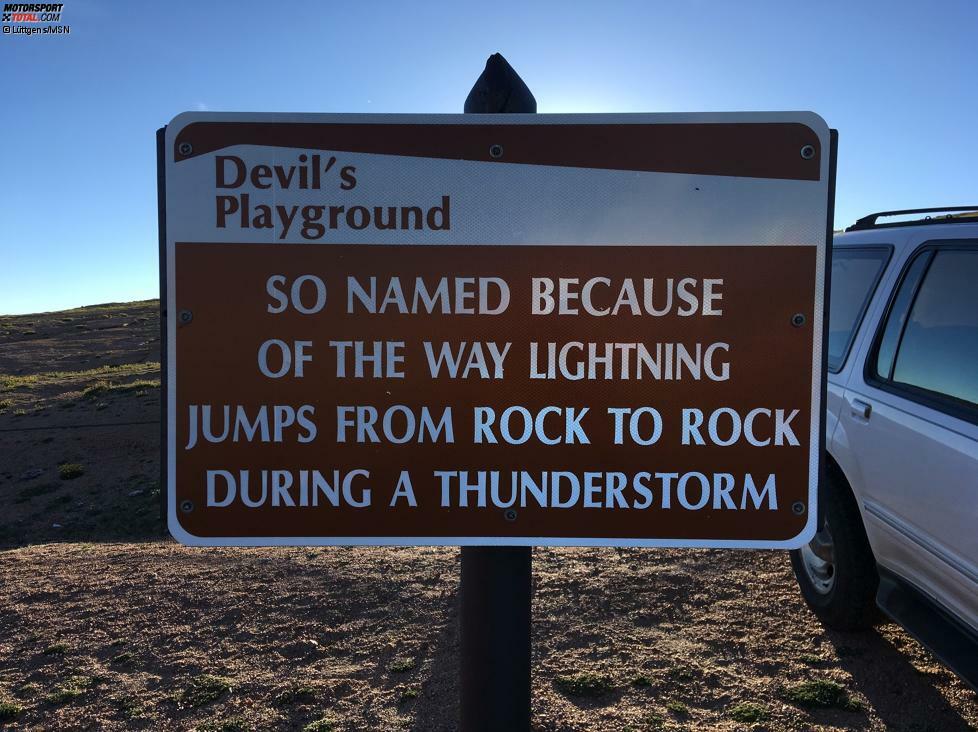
(495, 329)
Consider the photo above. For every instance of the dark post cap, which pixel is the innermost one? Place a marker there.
(499, 89)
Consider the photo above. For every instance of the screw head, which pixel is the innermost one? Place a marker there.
(185, 148)
(186, 506)
(798, 508)
(807, 152)
(186, 316)
(495, 151)
(510, 514)
(797, 320)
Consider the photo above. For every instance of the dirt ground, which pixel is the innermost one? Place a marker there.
(80, 388)
(106, 624)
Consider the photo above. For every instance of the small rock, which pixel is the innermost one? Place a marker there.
(31, 474)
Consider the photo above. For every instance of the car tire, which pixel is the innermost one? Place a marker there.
(837, 571)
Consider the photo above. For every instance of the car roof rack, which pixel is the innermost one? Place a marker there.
(869, 222)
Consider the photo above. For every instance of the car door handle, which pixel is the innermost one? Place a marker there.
(861, 409)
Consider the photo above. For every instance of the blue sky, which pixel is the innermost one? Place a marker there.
(78, 113)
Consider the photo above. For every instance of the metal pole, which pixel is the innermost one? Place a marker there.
(494, 615)
(161, 215)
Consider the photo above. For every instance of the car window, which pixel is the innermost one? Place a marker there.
(938, 351)
(898, 314)
(855, 273)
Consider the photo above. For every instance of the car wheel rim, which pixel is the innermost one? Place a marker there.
(818, 560)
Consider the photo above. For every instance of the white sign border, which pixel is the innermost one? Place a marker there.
(810, 119)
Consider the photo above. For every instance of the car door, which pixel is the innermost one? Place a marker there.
(856, 272)
(910, 422)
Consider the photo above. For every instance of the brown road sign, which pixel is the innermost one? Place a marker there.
(572, 329)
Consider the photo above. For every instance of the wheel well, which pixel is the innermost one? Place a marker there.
(835, 473)
(834, 470)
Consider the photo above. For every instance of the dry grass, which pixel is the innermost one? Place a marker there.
(104, 388)
(9, 382)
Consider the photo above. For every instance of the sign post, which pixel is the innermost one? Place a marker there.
(495, 331)
(495, 608)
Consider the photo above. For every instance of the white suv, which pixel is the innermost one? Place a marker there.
(899, 498)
